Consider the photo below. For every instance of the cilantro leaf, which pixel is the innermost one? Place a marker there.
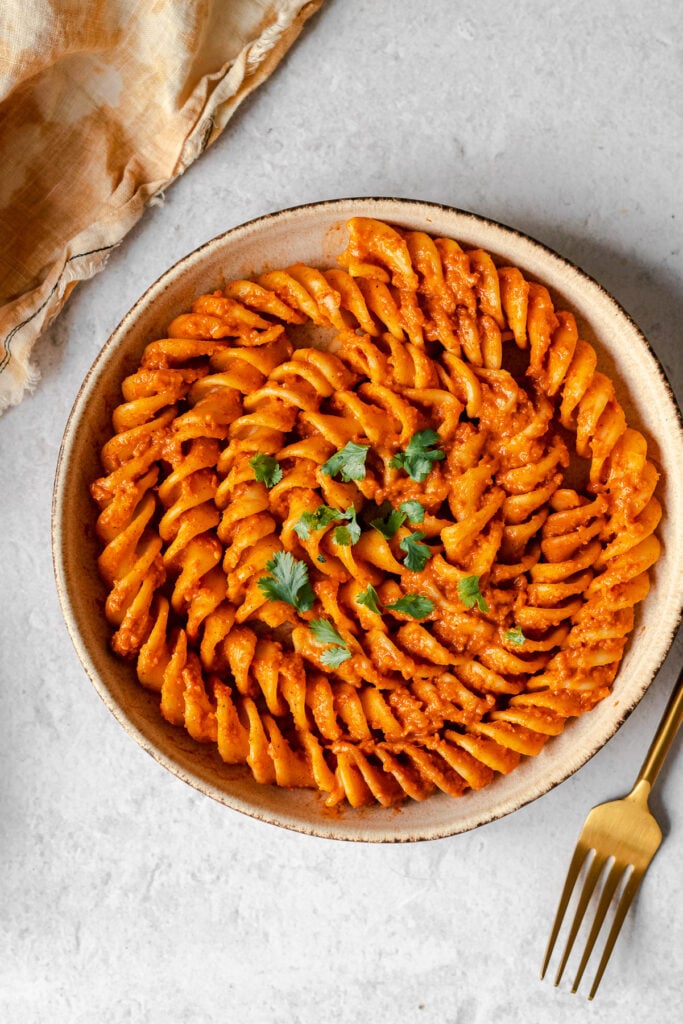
(417, 554)
(414, 511)
(267, 470)
(349, 461)
(318, 520)
(469, 593)
(289, 582)
(342, 536)
(415, 605)
(418, 457)
(350, 534)
(515, 636)
(325, 633)
(369, 598)
(333, 657)
(322, 517)
(390, 524)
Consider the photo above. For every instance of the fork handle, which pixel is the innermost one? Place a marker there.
(664, 737)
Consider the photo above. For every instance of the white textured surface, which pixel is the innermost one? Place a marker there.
(125, 896)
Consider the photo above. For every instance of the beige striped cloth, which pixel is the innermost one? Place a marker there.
(102, 105)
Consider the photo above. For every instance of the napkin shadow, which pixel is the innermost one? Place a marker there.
(48, 355)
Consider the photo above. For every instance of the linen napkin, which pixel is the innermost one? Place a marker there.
(102, 105)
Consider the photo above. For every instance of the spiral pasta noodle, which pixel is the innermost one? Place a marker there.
(389, 565)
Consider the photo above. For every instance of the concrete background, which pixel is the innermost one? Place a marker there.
(125, 895)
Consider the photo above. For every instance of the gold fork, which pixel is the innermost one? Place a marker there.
(624, 832)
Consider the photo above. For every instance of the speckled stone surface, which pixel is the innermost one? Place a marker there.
(124, 895)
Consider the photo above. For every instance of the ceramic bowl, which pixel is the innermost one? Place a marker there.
(315, 234)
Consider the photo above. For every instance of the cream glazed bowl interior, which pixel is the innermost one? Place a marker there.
(314, 234)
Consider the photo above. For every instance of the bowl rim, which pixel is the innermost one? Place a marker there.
(325, 827)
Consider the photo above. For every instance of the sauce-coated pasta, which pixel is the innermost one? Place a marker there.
(371, 569)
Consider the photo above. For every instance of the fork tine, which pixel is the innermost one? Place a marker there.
(580, 854)
(629, 892)
(616, 873)
(594, 873)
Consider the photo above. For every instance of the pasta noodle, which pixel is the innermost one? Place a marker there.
(371, 568)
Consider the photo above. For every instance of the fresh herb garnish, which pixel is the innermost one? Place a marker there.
(390, 524)
(349, 461)
(346, 535)
(289, 582)
(417, 554)
(515, 636)
(415, 605)
(418, 457)
(369, 597)
(267, 470)
(318, 520)
(469, 593)
(325, 633)
(414, 511)
(322, 517)
(333, 657)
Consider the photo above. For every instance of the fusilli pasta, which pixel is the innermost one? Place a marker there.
(395, 564)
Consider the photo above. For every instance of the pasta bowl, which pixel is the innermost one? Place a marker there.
(313, 235)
